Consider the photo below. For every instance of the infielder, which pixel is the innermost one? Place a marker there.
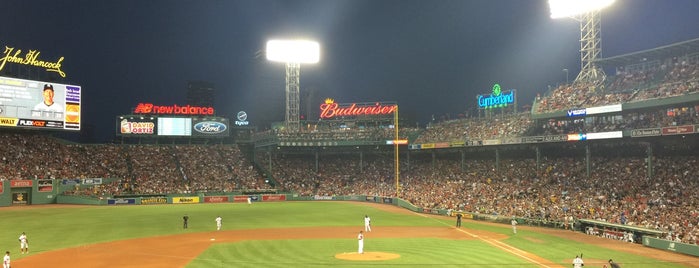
(23, 244)
(514, 225)
(6, 260)
(578, 262)
(367, 223)
(218, 223)
(360, 239)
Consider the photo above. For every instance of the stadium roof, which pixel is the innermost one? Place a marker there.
(663, 52)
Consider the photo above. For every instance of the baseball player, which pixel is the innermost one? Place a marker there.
(360, 239)
(249, 200)
(23, 244)
(367, 223)
(458, 220)
(6, 260)
(218, 223)
(613, 264)
(514, 225)
(578, 262)
(185, 219)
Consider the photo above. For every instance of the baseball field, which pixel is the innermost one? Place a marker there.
(296, 234)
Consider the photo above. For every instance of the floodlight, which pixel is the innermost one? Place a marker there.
(293, 51)
(571, 8)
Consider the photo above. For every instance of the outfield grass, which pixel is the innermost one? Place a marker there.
(62, 227)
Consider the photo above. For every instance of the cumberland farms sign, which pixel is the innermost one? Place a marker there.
(330, 109)
(496, 99)
(30, 58)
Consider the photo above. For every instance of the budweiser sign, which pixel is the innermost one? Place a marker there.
(330, 109)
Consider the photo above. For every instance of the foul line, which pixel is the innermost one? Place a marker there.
(493, 242)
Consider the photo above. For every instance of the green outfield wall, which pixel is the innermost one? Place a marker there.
(668, 245)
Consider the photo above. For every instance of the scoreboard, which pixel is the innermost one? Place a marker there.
(37, 104)
(142, 126)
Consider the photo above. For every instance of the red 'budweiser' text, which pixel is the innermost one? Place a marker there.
(329, 110)
(149, 108)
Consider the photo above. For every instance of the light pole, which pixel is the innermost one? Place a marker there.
(566, 71)
(293, 53)
(587, 12)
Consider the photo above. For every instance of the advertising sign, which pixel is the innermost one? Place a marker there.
(215, 199)
(30, 58)
(36, 104)
(121, 201)
(136, 126)
(497, 98)
(150, 109)
(21, 183)
(646, 132)
(19, 198)
(678, 130)
(214, 127)
(330, 109)
(185, 200)
(153, 200)
(44, 185)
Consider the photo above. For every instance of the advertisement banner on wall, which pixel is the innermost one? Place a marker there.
(44, 185)
(153, 200)
(19, 198)
(185, 200)
(21, 183)
(215, 199)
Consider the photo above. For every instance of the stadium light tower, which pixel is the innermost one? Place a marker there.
(587, 12)
(293, 53)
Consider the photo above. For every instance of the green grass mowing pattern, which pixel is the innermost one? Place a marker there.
(558, 249)
(70, 226)
(414, 252)
(561, 250)
(63, 227)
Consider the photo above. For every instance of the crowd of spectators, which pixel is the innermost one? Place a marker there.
(137, 169)
(497, 126)
(673, 77)
(618, 191)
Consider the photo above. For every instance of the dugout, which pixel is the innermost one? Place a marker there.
(613, 230)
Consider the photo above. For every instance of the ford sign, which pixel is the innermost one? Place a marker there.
(210, 127)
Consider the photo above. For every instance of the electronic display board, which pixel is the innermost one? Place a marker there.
(174, 126)
(149, 126)
(37, 104)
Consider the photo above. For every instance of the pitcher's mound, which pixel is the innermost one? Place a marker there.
(367, 256)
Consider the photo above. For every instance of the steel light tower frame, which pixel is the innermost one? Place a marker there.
(293, 84)
(590, 48)
(293, 53)
(587, 12)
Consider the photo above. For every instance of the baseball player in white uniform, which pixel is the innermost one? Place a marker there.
(360, 239)
(578, 262)
(6, 260)
(218, 223)
(23, 244)
(367, 223)
(514, 225)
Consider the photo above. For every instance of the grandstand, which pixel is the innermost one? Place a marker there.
(623, 153)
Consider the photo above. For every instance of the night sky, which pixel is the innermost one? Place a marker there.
(432, 57)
